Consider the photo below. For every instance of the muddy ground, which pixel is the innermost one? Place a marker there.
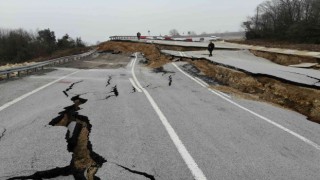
(303, 100)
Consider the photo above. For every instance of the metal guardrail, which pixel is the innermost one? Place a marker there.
(41, 65)
(122, 37)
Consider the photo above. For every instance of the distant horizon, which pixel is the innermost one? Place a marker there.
(96, 21)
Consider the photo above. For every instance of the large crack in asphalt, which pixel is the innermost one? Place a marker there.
(317, 79)
(133, 89)
(3, 133)
(65, 92)
(85, 162)
(114, 92)
(194, 71)
(162, 70)
(170, 80)
(109, 81)
(137, 172)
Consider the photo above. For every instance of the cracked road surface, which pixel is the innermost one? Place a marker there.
(245, 61)
(179, 130)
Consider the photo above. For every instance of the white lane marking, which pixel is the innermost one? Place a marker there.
(134, 75)
(202, 82)
(219, 92)
(32, 92)
(304, 139)
(131, 63)
(180, 53)
(69, 79)
(192, 165)
(134, 85)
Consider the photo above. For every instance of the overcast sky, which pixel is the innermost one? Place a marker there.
(96, 20)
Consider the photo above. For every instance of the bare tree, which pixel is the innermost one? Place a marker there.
(174, 32)
(294, 20)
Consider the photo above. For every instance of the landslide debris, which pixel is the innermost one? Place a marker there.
(151, 51)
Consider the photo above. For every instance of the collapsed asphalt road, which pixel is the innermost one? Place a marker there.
(155, 132)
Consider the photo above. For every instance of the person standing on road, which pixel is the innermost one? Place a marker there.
(210, 48)
(138, 35)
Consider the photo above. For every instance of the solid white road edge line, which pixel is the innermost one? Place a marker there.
(304, 139)
(219, 92)
(131, 63)
(134, 85)
(32, 92)
(192, 165)
(134, 75)
(200, 80)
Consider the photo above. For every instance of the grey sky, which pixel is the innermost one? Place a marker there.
(96, 20)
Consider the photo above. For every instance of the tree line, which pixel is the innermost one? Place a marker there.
(289, 20)
(19, 45)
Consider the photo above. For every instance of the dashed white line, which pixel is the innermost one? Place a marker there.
(32, 92)
(304, 139)
(192, 165)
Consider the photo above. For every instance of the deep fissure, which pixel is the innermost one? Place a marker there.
(85, 162)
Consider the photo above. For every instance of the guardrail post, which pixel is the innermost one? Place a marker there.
(8, 75)
(19, 74)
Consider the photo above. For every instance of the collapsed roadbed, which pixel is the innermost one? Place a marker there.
(303, 99)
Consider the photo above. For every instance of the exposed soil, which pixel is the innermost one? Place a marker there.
(285, 59)
(152, 52)
(85, 162)
(301, 99)
(279, 44)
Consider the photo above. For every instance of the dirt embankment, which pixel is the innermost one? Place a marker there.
(282, 59)
(151, 51)
(285, 59)
(303, 100)
(279, 44)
